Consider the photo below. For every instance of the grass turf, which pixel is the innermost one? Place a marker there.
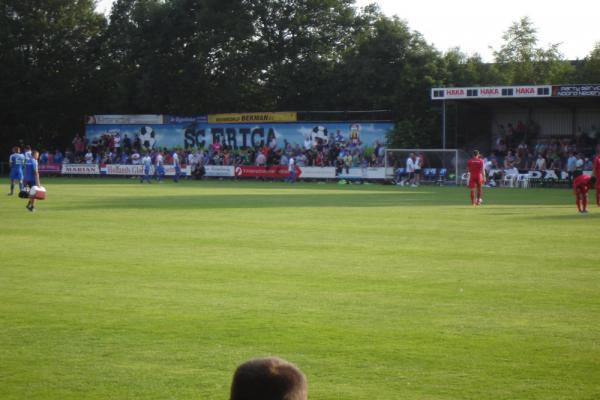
(114, 289)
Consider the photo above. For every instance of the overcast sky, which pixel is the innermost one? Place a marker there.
(475, 25)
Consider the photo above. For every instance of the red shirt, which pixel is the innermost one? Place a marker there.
(581, 183)
(596, 168)
(475, 166)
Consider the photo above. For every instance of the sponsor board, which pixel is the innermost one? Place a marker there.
(246, 118)
(318, 172)
(576, 91)
(49, 168)
(174, 119)
(491, 92)
(122, 169)
(275, 172)
(138, 170)
(363, 173)
(80, 169)
(150, 119)
(224, 171)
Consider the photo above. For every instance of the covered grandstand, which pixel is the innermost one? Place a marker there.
(483, 116)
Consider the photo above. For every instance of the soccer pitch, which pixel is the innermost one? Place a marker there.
(117, 290)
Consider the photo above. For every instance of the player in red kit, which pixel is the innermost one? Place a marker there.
(476, 170)
(581, 185)
(596, 173)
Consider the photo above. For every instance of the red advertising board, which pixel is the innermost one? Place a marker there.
(276, 171)
(49, 168)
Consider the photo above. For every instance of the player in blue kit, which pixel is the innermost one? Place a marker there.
(177, 166)
(147, 163)
(32, 176)
(160, 169)
(17, 161)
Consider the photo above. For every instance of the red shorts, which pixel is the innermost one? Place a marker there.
(475, 181)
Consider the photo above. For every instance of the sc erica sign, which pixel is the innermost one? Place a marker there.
(234, 137)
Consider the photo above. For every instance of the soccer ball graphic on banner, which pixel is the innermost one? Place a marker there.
(320, 132)
(147, 137)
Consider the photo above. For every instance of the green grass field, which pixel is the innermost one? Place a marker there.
(117, 290)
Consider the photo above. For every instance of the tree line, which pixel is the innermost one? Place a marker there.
(61, 60)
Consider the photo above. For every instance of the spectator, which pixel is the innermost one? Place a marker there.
(126, 144)
(58, 157)
(261, 160)
(540, 163)
(78, 145)
(89, 157)
(268, 379)
(509, 160)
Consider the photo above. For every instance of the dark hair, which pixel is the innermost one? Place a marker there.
(592, 180)
(268, 379)
(475, 153)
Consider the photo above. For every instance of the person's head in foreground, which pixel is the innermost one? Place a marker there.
(268, 379)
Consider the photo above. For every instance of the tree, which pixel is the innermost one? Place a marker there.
(46, 61)
(589, 70)
(521, 62)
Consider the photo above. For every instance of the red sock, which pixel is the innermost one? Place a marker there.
(578, 200)
(584, 201)
(472, 197)
(479, 195)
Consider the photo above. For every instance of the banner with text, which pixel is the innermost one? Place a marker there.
(275, 172)
(576, 91)
(80, 169)
(191, 133)
(245, 118)
(49, 168)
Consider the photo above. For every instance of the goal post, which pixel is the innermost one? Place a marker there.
(441, 166)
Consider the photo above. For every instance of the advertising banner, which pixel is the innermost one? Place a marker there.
(318, 172)
(576, 91)
(490, 92)
(173, 119)
(245, 118)
(223, 171)
(275, 172)
(201, 135)
(124, 119)
(122, 169)
(138, 170)
(363, 173)
(80, 169)
(49, 168)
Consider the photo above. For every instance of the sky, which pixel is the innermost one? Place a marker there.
(475, 25)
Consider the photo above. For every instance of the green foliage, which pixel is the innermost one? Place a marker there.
(521, 62)
(589, 71)
(60, 60)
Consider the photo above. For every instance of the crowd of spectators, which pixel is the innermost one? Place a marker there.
(114, 149)
(519, 147)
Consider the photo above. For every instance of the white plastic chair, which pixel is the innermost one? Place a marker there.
(464, 178)
(509, 180)
(523, 181)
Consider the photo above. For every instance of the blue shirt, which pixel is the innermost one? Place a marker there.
(17, 161)
(31, 167)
